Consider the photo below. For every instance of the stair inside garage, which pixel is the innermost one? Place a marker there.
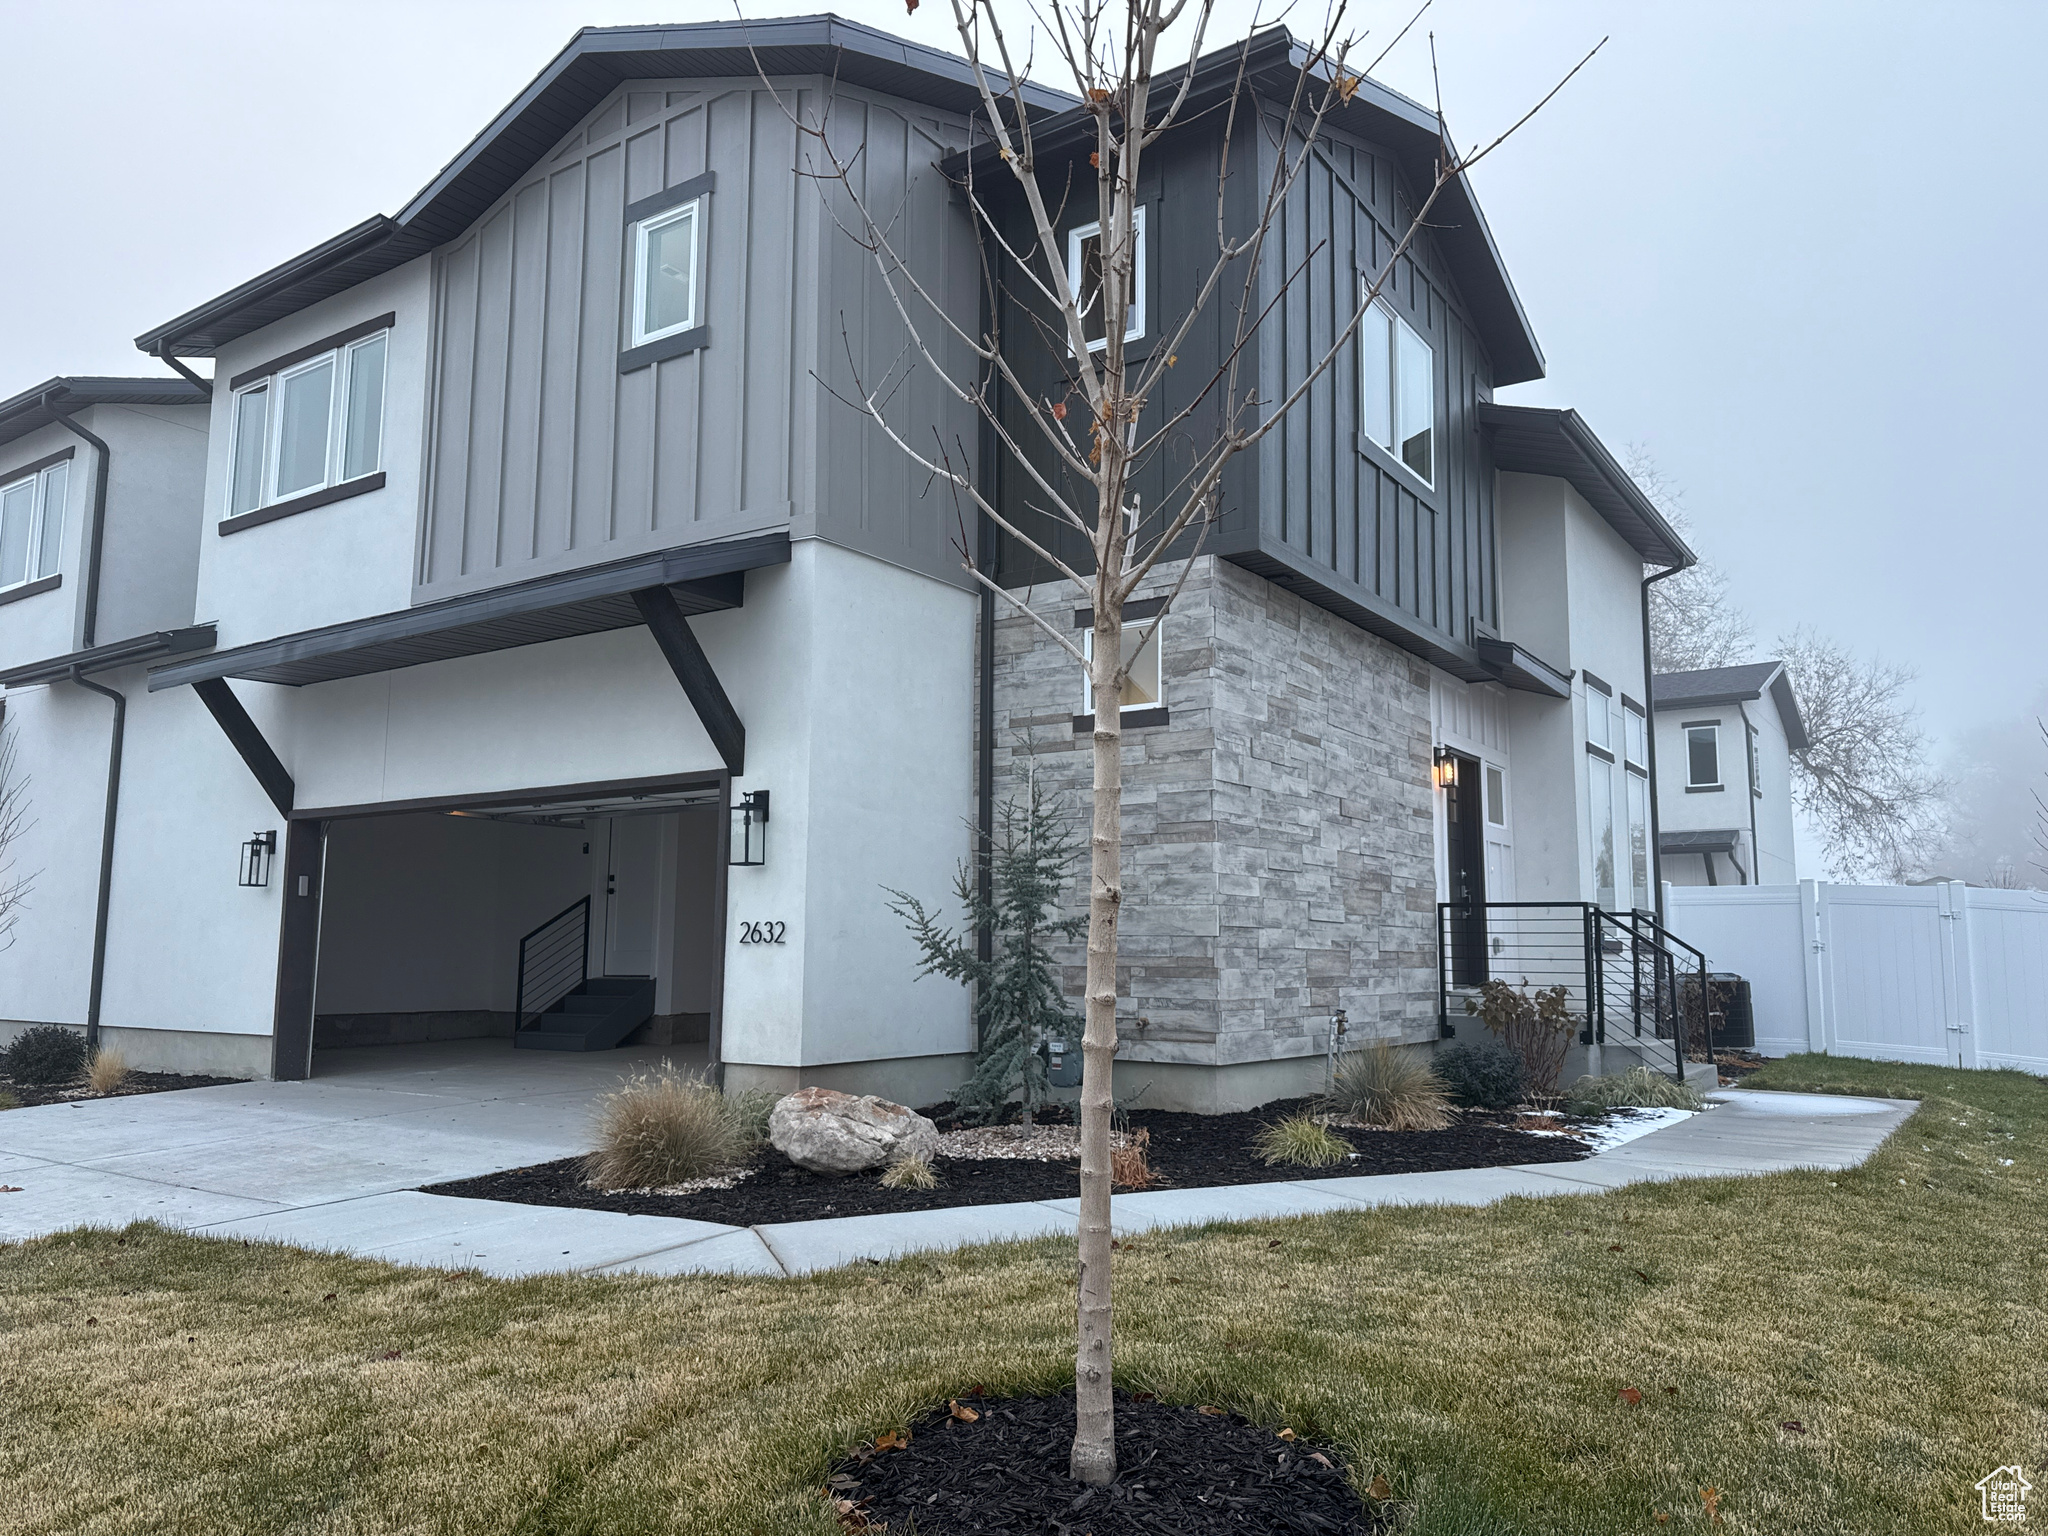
(595, 1015)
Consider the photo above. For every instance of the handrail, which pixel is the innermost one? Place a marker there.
(553, 960)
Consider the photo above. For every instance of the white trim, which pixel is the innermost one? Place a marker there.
(1392, 449)
(38, 513)
(1158, 661)
(343, 361)
(693, 211)
(1134, 327)
(1690, 781)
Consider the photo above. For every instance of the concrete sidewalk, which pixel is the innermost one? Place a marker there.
(333, 1164)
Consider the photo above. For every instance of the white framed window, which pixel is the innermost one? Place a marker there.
(1635, 735)
(32, 525)
(1397, 390)
(1496, 796)
(1756, 766)
(318, 423)
(1143, 683)
(1084, 279)
(665, 248)
(1703, 757)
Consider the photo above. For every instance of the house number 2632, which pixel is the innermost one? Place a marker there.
(763, 933)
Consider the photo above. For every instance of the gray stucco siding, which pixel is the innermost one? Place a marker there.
(546, 453)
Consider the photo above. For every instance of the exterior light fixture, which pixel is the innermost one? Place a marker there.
(257, 854)
(750, 829)
(1446, 768)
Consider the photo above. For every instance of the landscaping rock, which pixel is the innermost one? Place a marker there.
(830, 1132)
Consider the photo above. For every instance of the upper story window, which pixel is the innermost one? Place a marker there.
(1397, 390)
(1084, 280)
(1635, 736)
(1143, 684)
(1703, 756)
(307, 423)
(32, 524)
(1756, 766)
(665, 250)
(1600, 711)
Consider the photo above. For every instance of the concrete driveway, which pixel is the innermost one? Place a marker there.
(369, 1121)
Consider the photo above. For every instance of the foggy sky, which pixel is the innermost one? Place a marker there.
(1793, 249)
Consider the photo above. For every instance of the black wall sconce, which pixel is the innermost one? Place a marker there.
(750, 829)
(257, 854)
(1446, 768)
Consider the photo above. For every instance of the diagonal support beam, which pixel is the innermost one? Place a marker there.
(692, 668)
(242, 732)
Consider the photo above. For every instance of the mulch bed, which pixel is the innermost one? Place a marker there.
(1187, 1151)
(138, 1082)
(1179, 1470)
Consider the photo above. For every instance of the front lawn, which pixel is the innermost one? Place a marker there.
(1824, 1352)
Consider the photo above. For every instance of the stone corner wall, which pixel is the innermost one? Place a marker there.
(1278, 856)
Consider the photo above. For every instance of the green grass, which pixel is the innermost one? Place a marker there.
(165, 1384)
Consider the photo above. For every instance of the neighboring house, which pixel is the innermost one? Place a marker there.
(1725, 739)
(538, 563)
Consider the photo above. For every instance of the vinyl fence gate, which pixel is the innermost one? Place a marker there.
(1949, 974)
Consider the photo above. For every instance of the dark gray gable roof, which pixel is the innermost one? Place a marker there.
(1530, 440)
(31, 409)
(1731, 685)
(582, 75)
(1271, 60)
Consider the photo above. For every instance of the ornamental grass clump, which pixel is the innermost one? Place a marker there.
(108, 1072)
(1395, 1089)
(46, 1056)
(910, 1172)
(1637, 1088)
(665, 1127)
(1301, 1141)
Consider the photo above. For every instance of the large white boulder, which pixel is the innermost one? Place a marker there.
(831, 1132)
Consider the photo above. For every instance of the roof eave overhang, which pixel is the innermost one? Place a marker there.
(1521, 669)
(105, 658)
(1577, 456)
(32, 409)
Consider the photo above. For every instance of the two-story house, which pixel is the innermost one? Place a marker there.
(1725, 739)
(562, 629)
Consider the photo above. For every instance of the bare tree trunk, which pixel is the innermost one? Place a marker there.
(1094, 1454)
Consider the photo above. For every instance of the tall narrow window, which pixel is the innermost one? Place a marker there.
(50, 526)
(1397, 390)
(1496, 796)
(17, 531)
(1084, 277)
(1703, 756)
(305, 412)
(1639, 839)
(1600, 822)
(665, 274)
(251, 449)
(363, 434)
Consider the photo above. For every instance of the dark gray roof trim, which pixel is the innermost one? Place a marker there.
(705, 578)
(1735, 685)
(119, 653)
(29, 410)
(1529, 440)
(596, 60)
(1698, 842)
(1522, 669)
(1272, 60)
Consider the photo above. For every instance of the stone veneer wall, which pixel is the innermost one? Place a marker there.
(1278, 854)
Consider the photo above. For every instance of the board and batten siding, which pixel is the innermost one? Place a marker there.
(544, 456)
(1327, 493)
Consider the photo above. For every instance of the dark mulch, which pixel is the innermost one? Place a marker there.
(1179, 1470)
(138, 1082)
(1187, 1151)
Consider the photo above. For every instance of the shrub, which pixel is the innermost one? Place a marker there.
(664, 1127)
(47, 1054)
(108, 1072)
(912, 1172)
(8, 1100)
(1396, 1089)
(1484, 1074)
(1302, 1142)
(1637, 1088)
(1537, 1026)
(1130, 1167)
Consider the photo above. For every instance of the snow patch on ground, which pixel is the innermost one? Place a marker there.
(1625, 1125)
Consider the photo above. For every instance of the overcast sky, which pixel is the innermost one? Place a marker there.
(1794, 249)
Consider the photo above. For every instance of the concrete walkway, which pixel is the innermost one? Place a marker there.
(332, 1164)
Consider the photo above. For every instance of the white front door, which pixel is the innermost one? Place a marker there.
(632, 872)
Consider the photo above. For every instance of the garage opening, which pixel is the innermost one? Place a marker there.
(541, 927)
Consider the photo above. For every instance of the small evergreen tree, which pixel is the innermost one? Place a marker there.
(1018, 1004)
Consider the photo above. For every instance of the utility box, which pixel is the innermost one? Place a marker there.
(1062, 1063)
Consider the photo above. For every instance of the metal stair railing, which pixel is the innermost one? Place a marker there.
(554, 960)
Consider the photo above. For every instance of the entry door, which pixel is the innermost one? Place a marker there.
(631, 878)
(1464, 829)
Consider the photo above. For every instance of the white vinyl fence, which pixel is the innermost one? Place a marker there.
(1945, 973)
